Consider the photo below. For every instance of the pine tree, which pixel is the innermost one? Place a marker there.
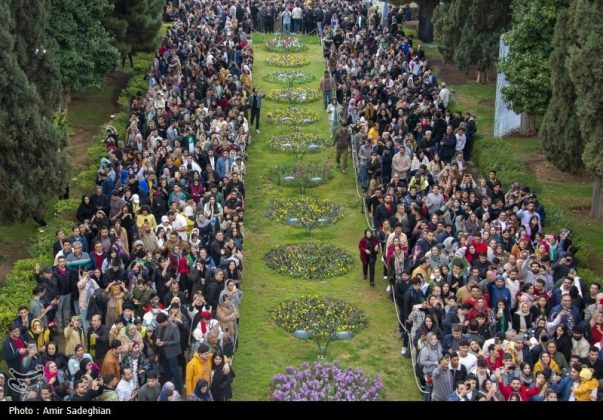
(33, 169)
(527, 67)
(85, 52)
(585, 67)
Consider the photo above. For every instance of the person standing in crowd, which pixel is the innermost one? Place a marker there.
(342, 142)
(369, 249)
(255, 105)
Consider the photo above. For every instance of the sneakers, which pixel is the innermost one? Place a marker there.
(384, 277)
(257, 131)
(403, 351)
(388, 289)
(372, 284)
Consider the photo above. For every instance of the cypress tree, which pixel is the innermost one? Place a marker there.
(560, 134)
(33, 168)
(585, 66)
(448, 18)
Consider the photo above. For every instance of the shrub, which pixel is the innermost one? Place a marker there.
(310, 260)
(325, 382)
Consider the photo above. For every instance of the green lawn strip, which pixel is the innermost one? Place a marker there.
(266, 349)
(510, 157)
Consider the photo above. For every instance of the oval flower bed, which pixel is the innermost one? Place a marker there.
(324, 382)
(302, 175)
(295, 95)
(289, 77)
(297, 142)
(309, 260)
(292, 117)
(321, 315)
(287, 60)
(304, 211)
(285, 44)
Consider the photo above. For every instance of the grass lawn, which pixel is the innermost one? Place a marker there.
(266, 349)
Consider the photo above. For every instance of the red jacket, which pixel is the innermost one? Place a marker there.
(366, 243)
(524, 393)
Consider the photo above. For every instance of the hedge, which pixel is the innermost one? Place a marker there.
(19, 283)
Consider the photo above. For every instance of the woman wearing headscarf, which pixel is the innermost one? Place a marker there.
(128, 336)
(52, 353)
(369, 248)
(523, 318)
(116, 292)
(52, 375)
(87, 368)
(39, 334)
(221, 383)
(201, 392)
(169, 393)
(227, 314)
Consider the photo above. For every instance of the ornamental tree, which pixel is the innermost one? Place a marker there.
(527, 67)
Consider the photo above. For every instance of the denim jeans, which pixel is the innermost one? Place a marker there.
(172, 371)
(63, 315)
(85, 322)
(327, 96)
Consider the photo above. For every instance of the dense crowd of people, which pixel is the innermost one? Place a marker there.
(142, 301)
(490, 304)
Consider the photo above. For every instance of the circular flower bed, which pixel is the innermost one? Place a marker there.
(287, 60)
(297, 142)
(285, 44)
(295, 95)
(292, 117)
(307, 212)
(309, 260)
(302, 175)
(321, 315)
(324, 382)
(289, 77)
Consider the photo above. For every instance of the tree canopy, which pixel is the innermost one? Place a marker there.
(135, 24)
(85, 53)
(526, 67)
